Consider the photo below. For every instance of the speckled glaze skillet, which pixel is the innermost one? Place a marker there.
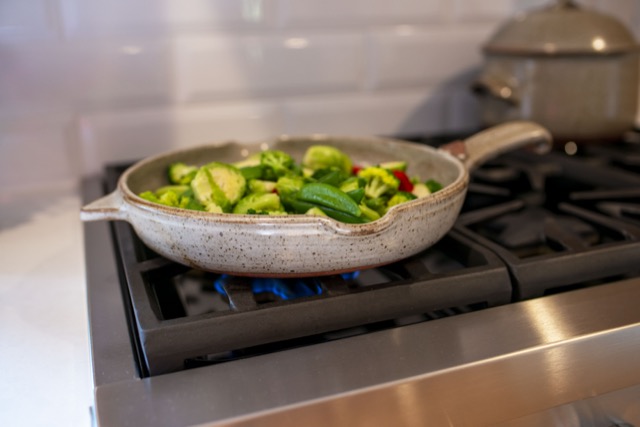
(300, 245)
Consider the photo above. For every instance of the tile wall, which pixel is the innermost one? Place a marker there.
(84, 82)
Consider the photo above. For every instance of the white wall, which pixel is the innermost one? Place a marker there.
(83, 82)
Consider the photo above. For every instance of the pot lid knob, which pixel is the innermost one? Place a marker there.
(562, 28)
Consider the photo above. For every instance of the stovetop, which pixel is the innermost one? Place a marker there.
(531, 227)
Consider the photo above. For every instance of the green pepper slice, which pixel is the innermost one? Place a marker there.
(329, 196)
(301, 207)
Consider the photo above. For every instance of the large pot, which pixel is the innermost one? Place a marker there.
(302, 245)
(572, 70)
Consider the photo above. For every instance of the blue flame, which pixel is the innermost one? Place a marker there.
(283, 289)
(350, 276)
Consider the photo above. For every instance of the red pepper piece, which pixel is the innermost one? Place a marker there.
(405, 182)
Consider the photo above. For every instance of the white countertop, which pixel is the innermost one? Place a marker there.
(45, 379)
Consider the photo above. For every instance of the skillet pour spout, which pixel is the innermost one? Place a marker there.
(302, 245)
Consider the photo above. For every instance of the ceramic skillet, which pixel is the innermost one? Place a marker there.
(303, 245)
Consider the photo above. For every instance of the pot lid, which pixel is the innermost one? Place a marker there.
(562, 28)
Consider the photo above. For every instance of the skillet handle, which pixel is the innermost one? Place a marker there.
(499, 139)
(110, 207)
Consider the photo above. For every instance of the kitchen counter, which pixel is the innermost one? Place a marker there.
(46, 373)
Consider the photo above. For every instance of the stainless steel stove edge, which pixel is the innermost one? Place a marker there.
(553, 351)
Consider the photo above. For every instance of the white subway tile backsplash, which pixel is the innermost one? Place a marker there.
(388, 113)
(52, 75)
(360, 12)
(35, 153)
(410, 56)
(113, 17)
(130, 135)
(465, 10)
(26, 20)
(254, 66)
(126, 72)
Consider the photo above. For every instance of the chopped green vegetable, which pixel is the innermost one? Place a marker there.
(260, 186)
(420, 190)
(264, 203)
(394, 166)
(352, 183)
(289, 184)
(433, 185)
(252, 172)
(177, 189)
(379, 204)
(325, 156)
(180, 173)
(300, 206)
(219, 184)
(400, 197)
(173, 195)
(315, 211)
(271, 183)
(252, 160)
(331, 176)
(357, 195)
(369, 213)
(149, 196)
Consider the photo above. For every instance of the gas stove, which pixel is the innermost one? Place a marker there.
(524, 312)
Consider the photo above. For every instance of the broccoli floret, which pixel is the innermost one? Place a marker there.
(288, 185)
(379, 182)
(181, 174)
(324, 156)
(260, 186)
(400, 197)
(266, 203)
(218, 183)
(277, 162)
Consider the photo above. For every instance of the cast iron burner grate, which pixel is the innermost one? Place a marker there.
(571, 223)
(181, 319)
